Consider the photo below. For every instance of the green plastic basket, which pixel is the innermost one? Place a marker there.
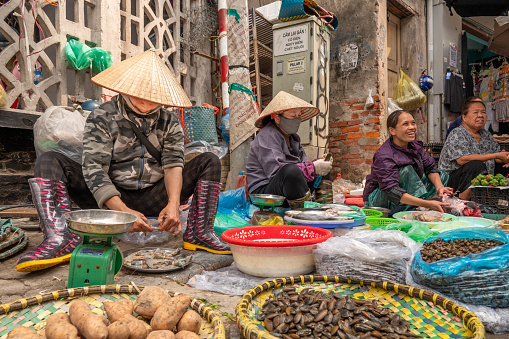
(496, 217)
(375, 221)
(372, 213)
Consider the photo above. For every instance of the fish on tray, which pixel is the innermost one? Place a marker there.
(309, 214)
(159, 258)
(428, 216)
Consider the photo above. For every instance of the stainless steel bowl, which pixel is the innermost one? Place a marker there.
(267, 199)
(100, 221)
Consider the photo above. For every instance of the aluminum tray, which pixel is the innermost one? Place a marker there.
(267, 199)
(150, 270)
(100, 221)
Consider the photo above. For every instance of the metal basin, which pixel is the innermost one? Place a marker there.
(100, 221)
(267, 199)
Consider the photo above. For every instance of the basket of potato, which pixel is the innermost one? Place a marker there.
(110, 312)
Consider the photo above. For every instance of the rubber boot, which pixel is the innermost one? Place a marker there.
(52, 202)
(200, 233)
(299, 203)
(323, 193)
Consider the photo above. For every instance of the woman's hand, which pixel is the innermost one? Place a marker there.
(322, 167)
(444, 190)
(141, 224)
(169, 219)
(436, 205)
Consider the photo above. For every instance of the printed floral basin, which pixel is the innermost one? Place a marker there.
(275, 250)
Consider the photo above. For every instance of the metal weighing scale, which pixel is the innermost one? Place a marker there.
(96, 262)
(263, 201)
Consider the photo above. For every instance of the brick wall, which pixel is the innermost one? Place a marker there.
(354, 137)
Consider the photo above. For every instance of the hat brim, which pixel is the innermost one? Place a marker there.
(306, 114)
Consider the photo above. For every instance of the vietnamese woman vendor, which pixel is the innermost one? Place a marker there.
(277, 163)
(403, 176)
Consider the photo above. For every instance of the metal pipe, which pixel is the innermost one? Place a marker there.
(223, 51)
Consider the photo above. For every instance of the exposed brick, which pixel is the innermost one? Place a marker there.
(371, 141)
(351, 156)
(355, 161)
(342, 137)
(350, 129)
(365, 113)
(355, 122)
(372, 134)
(350, 142)
(336, 157)
(376, 98)
(335, 151)
(370, 147)
(376, 105)
(357, 108)
(369, 161)
(377, 127)
(355, 116)
(349, 102)
(338, 124)
(333, 144)
(355, 135)
(373, 121)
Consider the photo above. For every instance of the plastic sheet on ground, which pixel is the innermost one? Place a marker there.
(226, 280)
(477, 279)
(366, 256)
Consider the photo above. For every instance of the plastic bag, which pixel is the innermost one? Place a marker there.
(225, 222)
(344, 186)
(366, 256)
(392, 106)
(416, 230)
(60, 130)
(369, 101)
(81, 56)
(3, 97)
(202, 147)
(408, 94)
(224, 126)
(477, 279)
(461, 207)
(226, 280)
(267, 218)
(233, 200)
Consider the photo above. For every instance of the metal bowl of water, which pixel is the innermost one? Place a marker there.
(100, 221)
(267, 199)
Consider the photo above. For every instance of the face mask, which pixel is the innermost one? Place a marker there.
(290, 126)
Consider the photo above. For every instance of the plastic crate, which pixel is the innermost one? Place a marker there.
(495, 197)
(372, 213)
(375, 221)
(434, 149)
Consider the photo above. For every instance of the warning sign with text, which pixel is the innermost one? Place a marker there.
(291, 40)
(296, 65)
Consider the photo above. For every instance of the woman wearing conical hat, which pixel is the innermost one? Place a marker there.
(120, 173)
(277, 163)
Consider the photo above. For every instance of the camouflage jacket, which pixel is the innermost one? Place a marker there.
(113, 156)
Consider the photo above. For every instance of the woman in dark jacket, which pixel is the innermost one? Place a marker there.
(403, 174)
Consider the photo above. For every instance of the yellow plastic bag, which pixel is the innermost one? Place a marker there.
(408, 95)
(3, 97)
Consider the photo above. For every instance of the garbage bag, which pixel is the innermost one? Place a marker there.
(366, 256)
(224, 126)
(416, 230)
(477, 279)
(408, 94)
(60, 129)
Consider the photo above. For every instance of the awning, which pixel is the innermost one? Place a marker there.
(466, 8)
(499, 42)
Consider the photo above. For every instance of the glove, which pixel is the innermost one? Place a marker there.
(322, 167)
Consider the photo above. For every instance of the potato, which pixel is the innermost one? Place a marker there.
(89, 325)
(186, 335)
(27, 336)
(137, 327)
(118, 330)
(21, 330)
(118, 309)
(164, 334)
(58, 326)
(42, 332)
(149, 300)
(190, 321)
(168, 316)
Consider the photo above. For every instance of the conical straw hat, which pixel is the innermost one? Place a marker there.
(144, 76)
(284, 101)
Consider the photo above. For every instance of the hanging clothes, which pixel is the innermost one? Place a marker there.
(491, 119)
(454, 92)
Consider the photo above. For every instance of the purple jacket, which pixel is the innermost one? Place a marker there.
(269, 152)
(389, 159)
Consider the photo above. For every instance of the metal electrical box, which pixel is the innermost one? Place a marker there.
(301, 50)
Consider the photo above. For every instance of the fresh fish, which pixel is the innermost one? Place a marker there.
(316, 215)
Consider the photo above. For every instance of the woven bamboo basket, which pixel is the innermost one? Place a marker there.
(16, 242)
(430, 314)
(33, 311)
